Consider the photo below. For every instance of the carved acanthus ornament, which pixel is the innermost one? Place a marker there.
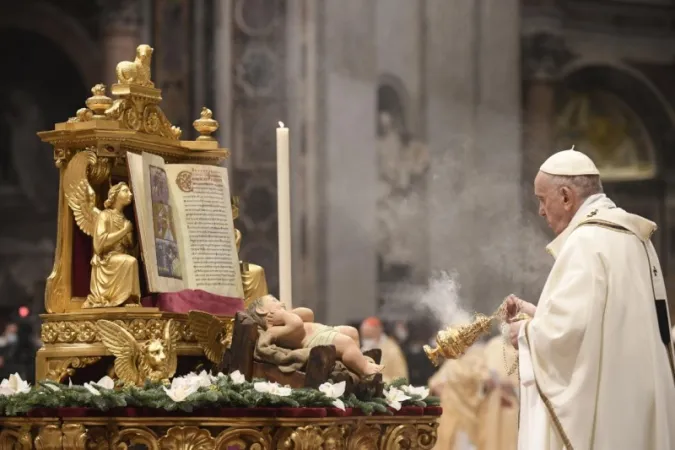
(302, 438)
(226, 433)
(59, 369)
(84, 331)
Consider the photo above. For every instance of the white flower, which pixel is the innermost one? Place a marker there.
(394, 397)
(201, 379)
(53, 387)
(237, 377)
(181, 388)
(106, 383)
(90, 387)
(14, 385)
(334, 391)
(272, 388)
(215, 378)
(416, 391)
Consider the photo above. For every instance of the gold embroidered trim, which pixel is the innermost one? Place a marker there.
(547, 402)
(608, 225)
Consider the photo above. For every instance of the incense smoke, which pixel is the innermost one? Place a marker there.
(442, 299)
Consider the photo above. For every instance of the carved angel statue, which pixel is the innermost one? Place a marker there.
(212, 335)
(252, 275)
(114, 272)
(155, 360)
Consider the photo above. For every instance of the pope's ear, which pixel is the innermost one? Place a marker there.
(566, 194)
(260, 311)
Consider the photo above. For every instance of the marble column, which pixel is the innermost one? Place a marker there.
(451, 75)
(473, 120)
(121, 25)
(347, 102)
(497, 235)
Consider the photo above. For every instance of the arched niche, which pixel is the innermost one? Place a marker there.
(401, 202)
(392, 99)
(64, 30)
(617, 119)
(40, 85)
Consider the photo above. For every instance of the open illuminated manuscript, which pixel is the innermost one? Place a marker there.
(185, 226)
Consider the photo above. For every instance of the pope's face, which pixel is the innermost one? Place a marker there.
(556, 203)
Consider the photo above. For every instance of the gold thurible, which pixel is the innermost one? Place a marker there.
(454, 341)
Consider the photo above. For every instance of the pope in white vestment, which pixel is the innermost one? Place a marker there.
(596, 361)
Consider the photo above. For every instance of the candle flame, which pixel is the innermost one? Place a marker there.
(281, 124)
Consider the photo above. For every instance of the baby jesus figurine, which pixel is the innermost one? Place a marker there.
(296, 329)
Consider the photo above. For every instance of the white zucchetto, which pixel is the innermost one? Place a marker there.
(569, 163)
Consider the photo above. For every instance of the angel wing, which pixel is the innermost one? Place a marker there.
(79, 193)
(170, 348)
(209, 332)
(122, 344)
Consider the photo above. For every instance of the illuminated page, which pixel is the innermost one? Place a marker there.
(156, 221)
(202, 197)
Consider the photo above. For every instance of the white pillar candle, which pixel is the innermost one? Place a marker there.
(284, 216)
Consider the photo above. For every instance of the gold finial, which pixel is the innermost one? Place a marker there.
(205, 125)
(99, 102)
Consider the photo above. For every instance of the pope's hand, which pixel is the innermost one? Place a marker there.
(515, 306)
(514, 331)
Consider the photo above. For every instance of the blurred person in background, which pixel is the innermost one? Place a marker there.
(399, 331)
(393, 360)
(422, 330)
(9, 336)
(19, 353)
(479, 399)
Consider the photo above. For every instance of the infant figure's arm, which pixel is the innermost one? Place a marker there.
(306, 314)
(291, 324)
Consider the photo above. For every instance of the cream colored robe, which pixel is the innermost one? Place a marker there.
(594, 371)
(462, 382)
(498, 412)
(393, 360)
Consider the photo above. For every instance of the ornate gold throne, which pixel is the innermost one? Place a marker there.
(107, 129)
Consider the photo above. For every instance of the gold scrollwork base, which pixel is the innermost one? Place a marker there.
(211, 433)
(71, 340)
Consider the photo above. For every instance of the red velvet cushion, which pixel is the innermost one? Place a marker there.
(433, 411)
(188, 300)
(337, 412)
(227, 412)
(81, 264)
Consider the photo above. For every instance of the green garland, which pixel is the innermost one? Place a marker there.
(224, 393)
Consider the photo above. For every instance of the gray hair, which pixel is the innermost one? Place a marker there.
(584, 185)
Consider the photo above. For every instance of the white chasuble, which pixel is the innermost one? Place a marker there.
(595, 370)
